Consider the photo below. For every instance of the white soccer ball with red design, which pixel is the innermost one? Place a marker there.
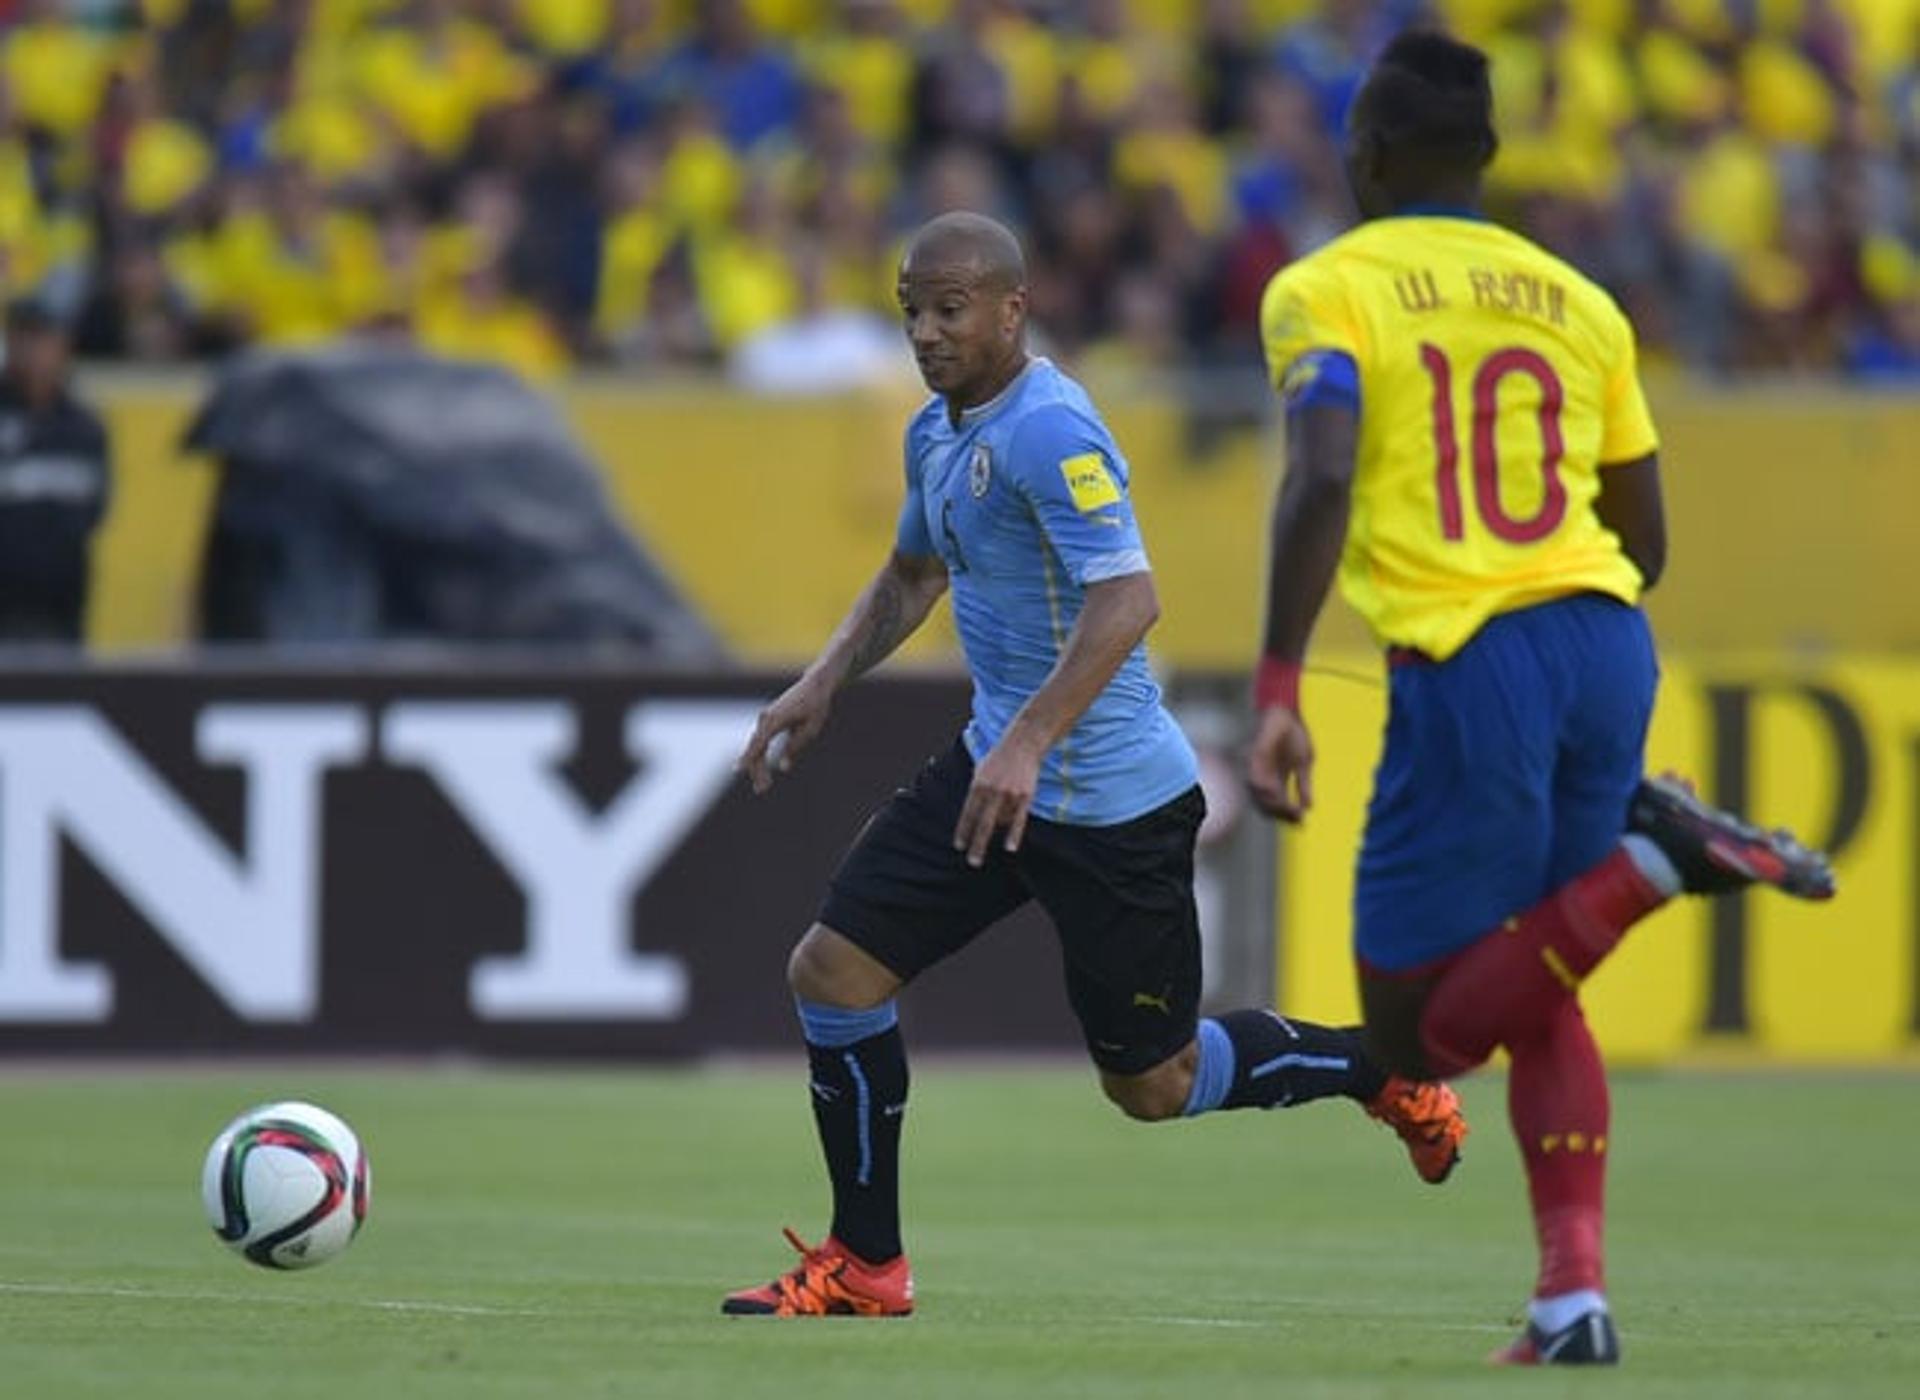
(287, 1185)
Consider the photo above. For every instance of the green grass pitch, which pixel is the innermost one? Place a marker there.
(569, 1234)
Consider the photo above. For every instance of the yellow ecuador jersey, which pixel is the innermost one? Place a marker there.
(1494, 382)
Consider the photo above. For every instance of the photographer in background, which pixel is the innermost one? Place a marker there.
(53, 483)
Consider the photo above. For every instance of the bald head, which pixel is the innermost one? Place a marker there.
(982, 250)
(963, 296)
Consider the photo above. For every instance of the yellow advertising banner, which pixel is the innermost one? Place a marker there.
(772, 514)
(1830, 749)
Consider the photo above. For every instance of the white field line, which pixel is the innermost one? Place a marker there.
(409, 1305)
(169, 1295)
(1279, 1322)
(1190, 1322)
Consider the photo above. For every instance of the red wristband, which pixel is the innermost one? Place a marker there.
(1276, 682)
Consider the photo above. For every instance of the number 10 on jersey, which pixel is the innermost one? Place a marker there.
(1514, 359)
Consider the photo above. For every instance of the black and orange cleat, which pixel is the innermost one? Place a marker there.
(1586, 1341)
(1426, 1114)
(1717, 853)
(829, 1281)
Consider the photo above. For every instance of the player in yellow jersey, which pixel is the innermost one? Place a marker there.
(1469, 449)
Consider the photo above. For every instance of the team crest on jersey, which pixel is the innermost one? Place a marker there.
(979, 470)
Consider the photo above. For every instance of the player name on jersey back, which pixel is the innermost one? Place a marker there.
(1489, 289)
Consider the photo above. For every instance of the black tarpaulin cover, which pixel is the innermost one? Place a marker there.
(374, 493)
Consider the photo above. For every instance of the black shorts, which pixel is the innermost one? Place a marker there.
(1120, 897)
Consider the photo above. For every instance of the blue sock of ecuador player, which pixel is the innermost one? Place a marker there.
(1261, 1059)
(859, 1082)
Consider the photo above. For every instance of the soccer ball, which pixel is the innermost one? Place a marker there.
(286, 1185)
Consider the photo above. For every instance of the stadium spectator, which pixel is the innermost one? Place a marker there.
(960, 93)
(1328, 52)
(1887, 351)
(53, 483)
(625, 69)
(869, 61)
(1074, 284)
(1145, 338)
(752, 87)
(1162, 148)
(743, 273)
(553, 149)
(820, 349)
(1227, 62)
(1285, 179)
(636, 238)
(433, 71)
(56, 70)
(136, 312)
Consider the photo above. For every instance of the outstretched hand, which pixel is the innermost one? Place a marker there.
(1280, 765)
(784, 729)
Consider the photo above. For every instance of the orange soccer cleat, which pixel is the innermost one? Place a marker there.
(829, 1281)
(1426, 1115)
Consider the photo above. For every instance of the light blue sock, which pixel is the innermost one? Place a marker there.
(833, 1027)
(1213, 1074)
(1652, 862)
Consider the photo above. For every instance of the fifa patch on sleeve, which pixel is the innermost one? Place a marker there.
(1089, 482)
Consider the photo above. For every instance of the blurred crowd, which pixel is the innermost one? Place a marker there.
(644, 182)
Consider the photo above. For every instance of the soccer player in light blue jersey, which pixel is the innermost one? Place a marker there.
(1071, 785)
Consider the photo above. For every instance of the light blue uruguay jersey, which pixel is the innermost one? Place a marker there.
(1025, 500)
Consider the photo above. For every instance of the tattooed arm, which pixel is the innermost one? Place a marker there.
(885, 615)
(889, 611)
